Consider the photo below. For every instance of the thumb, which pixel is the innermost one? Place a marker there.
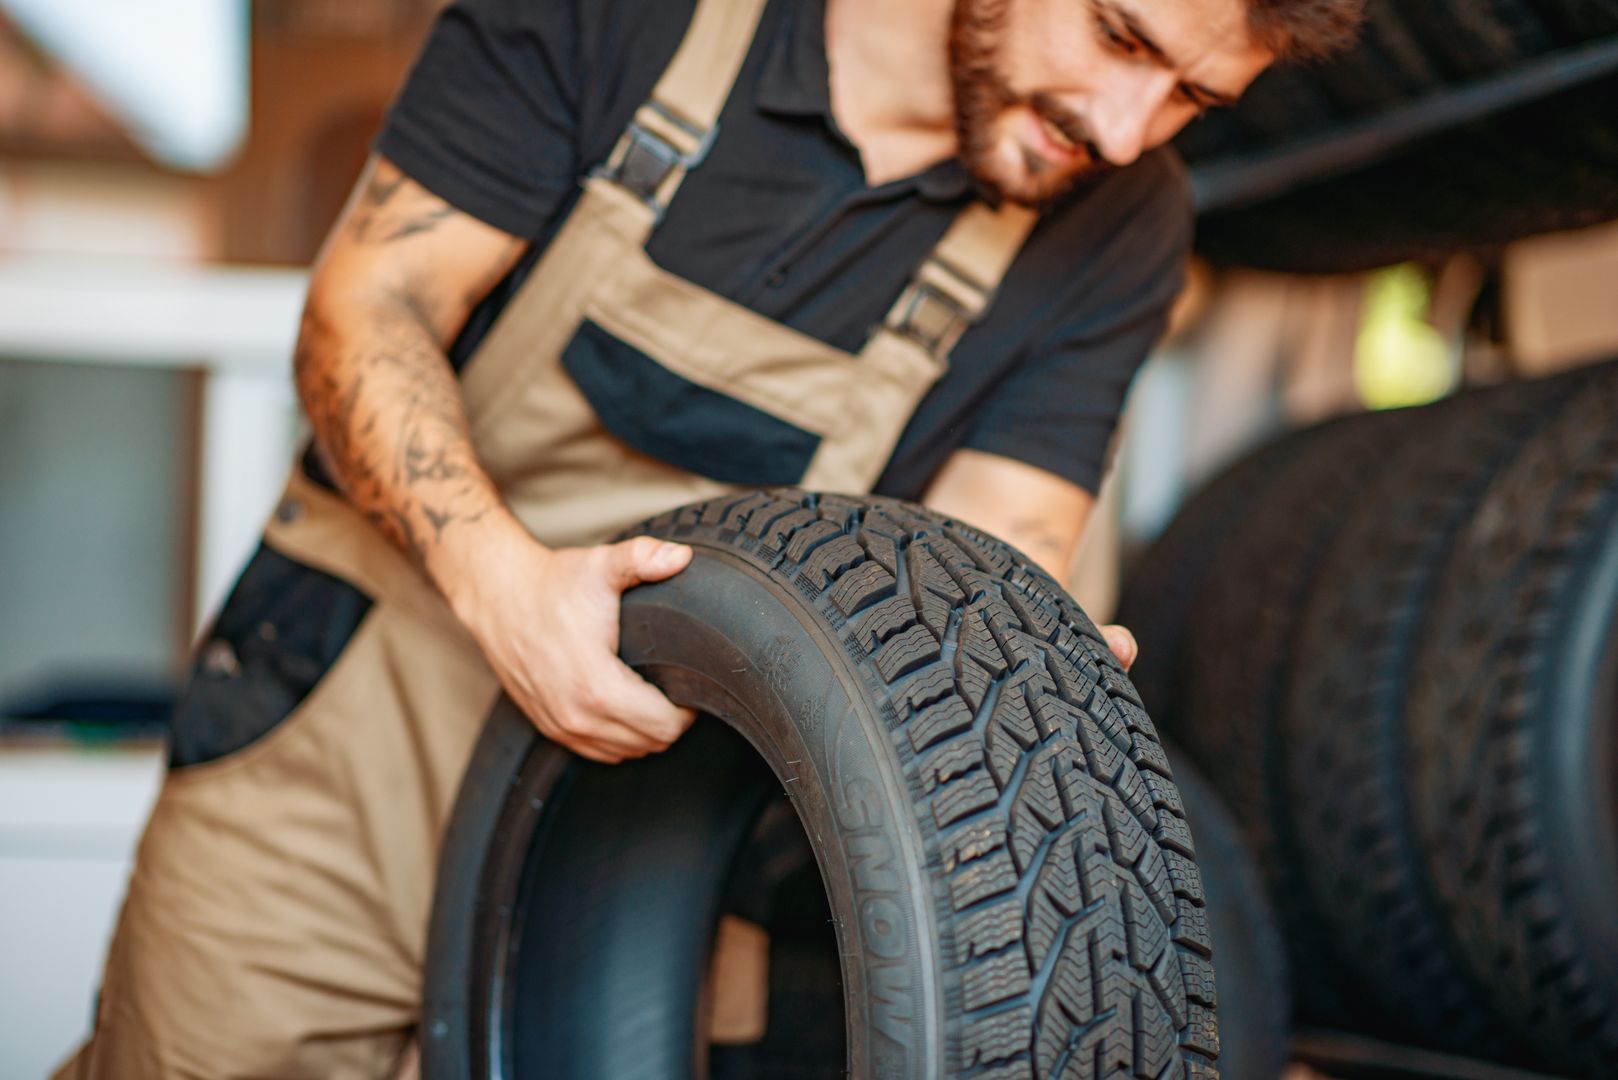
(642, 559)
(1122, 643)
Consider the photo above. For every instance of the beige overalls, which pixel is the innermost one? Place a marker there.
(276, 919)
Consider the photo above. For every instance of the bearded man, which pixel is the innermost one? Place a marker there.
(611, 256)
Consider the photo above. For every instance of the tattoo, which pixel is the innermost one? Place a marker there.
(391, 427)
(413, 226)
(377, 219)
(396, 524)
(442, 519)
(415, 297)
(434, 449)
(378, 190)
(387, 413)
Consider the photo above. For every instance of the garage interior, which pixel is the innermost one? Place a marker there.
(1390, 359)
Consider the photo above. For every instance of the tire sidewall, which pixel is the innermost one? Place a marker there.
(1576, 745)
(789, 688)
(791, 691)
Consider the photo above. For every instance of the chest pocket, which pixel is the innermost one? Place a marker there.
(610, 390)
(665, 415)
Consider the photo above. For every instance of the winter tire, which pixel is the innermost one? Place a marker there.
(1239, 626)
(1355, 861)
(1545, 164)
(1513, 749)
(1002, 852)
(1161, 587)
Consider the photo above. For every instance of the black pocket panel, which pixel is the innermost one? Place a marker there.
(674, 420)
(281, 629)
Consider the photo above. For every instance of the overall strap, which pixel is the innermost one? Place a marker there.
(954, 286)
(674, 130)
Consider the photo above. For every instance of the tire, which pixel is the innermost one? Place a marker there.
(1448, 193)
(1162, 583)
(1240, 625)
(1001, 849)
(1404, 52)
(1251, 977)
(1161, 587)
(1513, 758)
(1343, 724)
(1546, 165)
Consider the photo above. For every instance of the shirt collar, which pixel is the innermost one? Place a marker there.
(796, 81)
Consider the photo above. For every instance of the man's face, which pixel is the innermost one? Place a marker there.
(1048, 92)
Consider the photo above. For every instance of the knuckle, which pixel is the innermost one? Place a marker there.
(573, 725)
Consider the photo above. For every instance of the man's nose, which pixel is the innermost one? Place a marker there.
(1122, 118)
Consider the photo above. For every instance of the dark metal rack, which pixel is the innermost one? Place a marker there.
(1243, 179)
(1344, 1056)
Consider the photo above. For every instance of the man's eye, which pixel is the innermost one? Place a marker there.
(1116, 39)
(1189, 96)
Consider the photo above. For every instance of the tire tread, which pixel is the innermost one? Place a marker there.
(1075, 940)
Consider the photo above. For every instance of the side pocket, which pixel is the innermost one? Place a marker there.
(673, 419)
(281, 629)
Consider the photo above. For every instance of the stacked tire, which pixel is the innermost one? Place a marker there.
(1397, 659)
(1548, 164)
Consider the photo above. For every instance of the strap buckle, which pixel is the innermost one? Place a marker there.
(930, 316)
(644, 158)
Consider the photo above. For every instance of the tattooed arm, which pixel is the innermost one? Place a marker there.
(390, 289)
(393, 284)
(1031, 509)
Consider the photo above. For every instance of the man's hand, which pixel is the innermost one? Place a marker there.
(1122, 643)
(547, 620)
(393, 285)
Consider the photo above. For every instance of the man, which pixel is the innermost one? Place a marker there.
(801, 253)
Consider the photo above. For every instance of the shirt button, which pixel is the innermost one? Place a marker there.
(777, 278)
(288, 511)
(219, 659)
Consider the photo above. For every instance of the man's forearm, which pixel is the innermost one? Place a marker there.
(1029, 508)
(394, 282)
(389, 422)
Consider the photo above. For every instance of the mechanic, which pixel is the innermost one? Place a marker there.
(608, 257)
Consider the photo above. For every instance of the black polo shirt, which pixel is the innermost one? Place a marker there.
(512, 101)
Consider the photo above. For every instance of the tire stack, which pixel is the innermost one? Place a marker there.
(1391, 643)
(1549, 163)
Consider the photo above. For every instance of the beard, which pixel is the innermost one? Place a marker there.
(983, 96)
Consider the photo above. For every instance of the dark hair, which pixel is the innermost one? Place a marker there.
(1305, 29)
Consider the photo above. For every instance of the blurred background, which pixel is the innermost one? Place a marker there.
(1429, 211)
(167, 170)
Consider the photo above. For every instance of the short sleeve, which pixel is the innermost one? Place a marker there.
(1057, 409)
(487, 118)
